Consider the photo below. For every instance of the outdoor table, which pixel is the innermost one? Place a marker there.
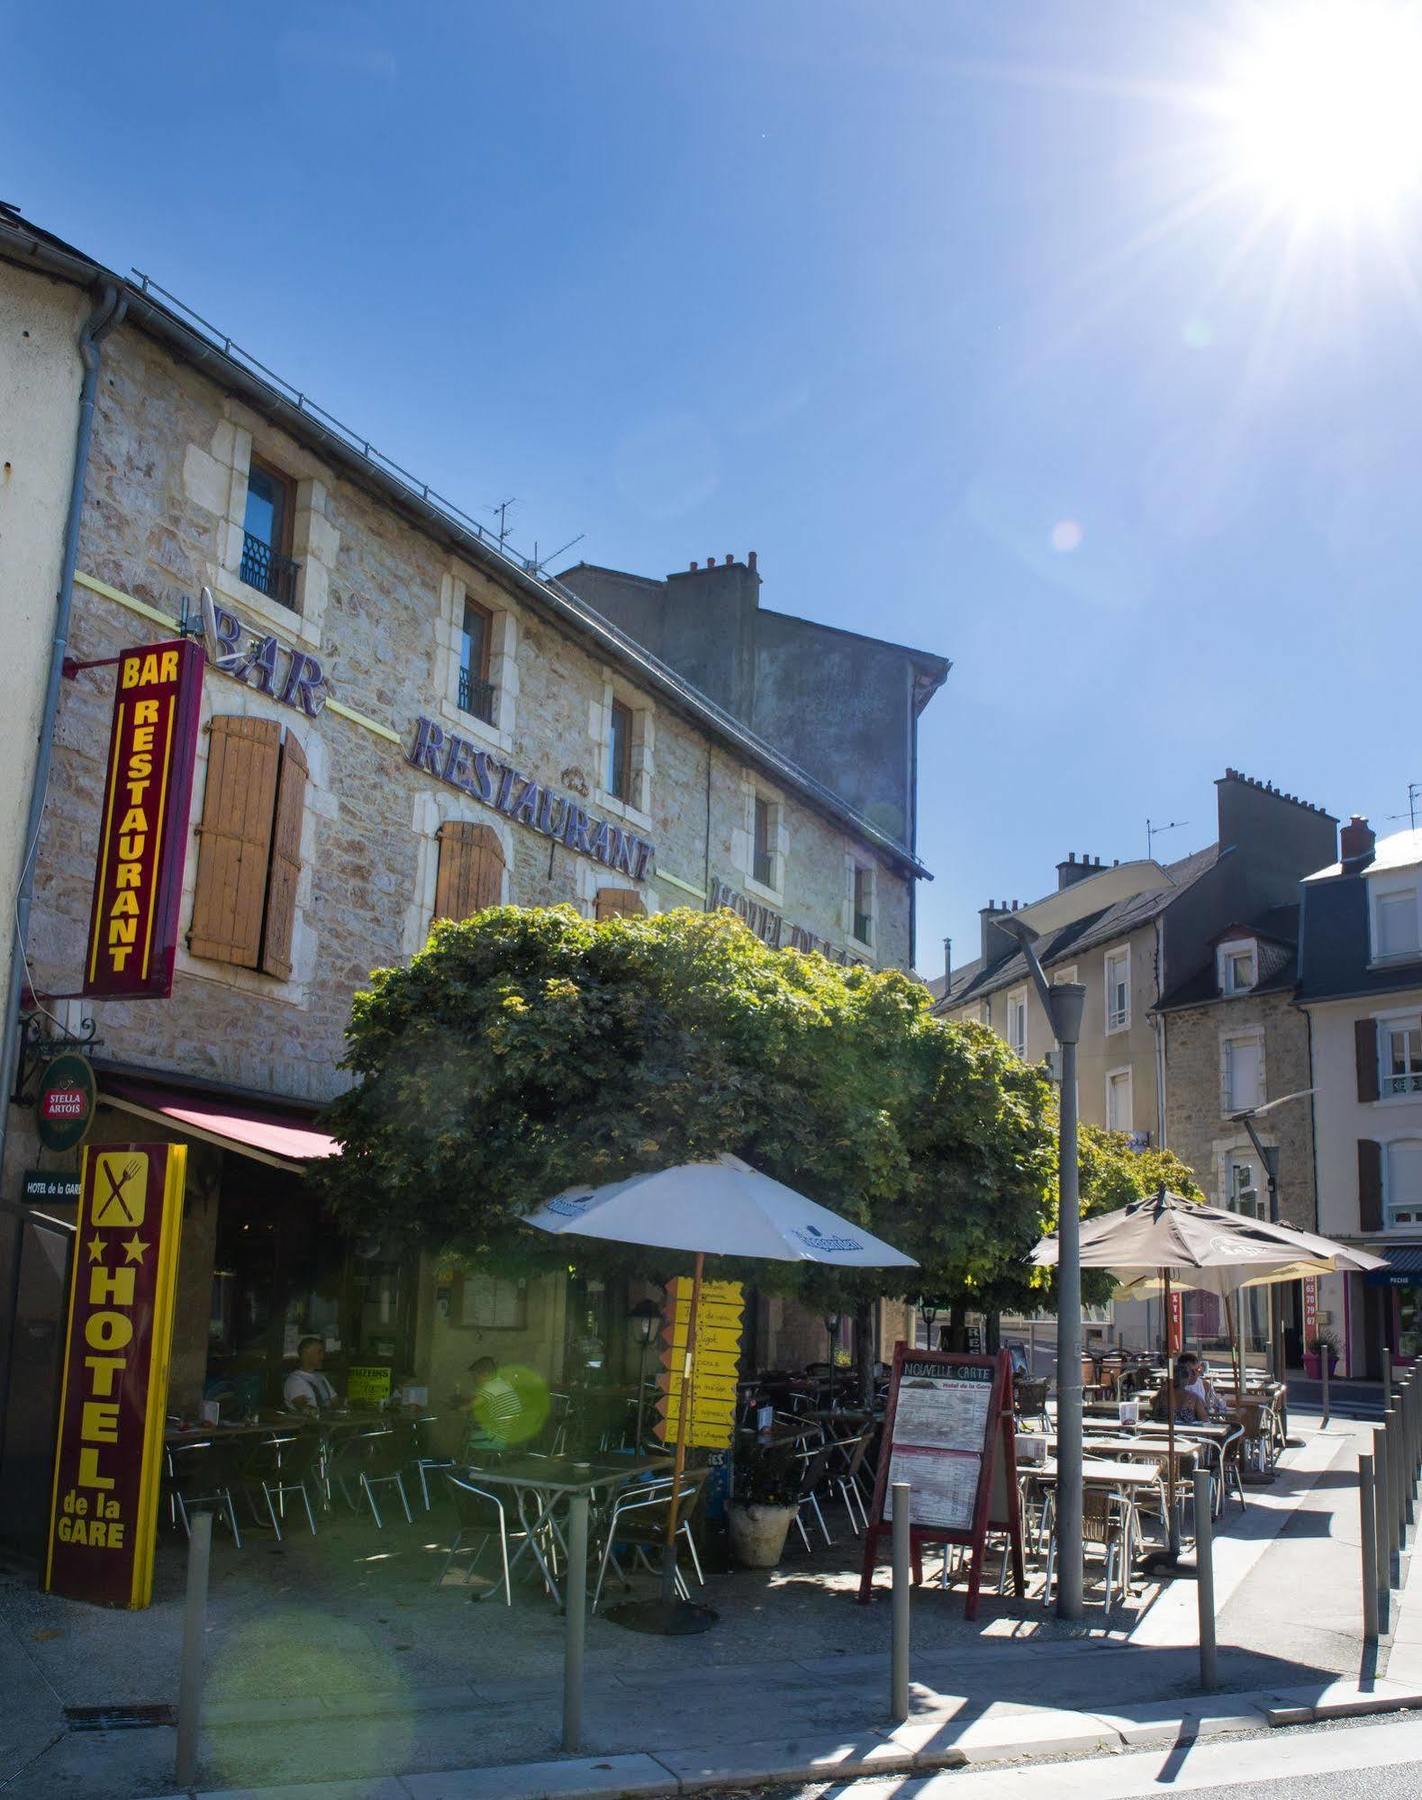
(540, 1483)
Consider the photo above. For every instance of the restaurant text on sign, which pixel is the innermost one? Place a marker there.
(143, 830)
(104, 1505)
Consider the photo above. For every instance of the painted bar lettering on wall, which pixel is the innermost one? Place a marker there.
(454, 760)
(143, 829)
(113, 1396)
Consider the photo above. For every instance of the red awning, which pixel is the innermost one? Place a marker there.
(258, 1131)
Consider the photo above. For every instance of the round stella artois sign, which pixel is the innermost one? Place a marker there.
(64, 1110)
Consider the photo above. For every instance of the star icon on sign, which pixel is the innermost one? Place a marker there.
(133, 1250)
(95, 1248)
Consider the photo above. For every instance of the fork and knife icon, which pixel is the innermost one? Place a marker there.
(117, 1207)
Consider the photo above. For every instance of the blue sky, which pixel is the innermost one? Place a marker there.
(933, 305)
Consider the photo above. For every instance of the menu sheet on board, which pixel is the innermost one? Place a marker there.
(940, 1430)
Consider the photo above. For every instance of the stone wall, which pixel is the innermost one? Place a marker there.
(1199, 1130)
(382, 603)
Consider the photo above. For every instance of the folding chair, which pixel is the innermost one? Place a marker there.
(480, 1515)
(814, 1473)
(278, 1466)
(637, 1522)
(203, 1474)
(846, 1479)
(371, 1459)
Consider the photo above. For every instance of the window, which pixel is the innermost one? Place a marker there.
(1395, 923)
(1118, 990)
(763, 846)
(492, 1303)
(249, 859)
(471, 870)
(619, 752)
(863, 904)
(1402, 1190)
(620, 903)
(1017, 1023)
(985, 1012)
(266, 528)
(476, 691)
(1242, 1193)
(1119, 1101)
(1242, 1073)
(1401, 1043)
(1237, 968)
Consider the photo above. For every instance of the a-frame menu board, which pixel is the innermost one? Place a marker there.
(948, 1432)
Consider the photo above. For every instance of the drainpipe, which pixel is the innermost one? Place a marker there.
(108, 312)
(1159, 1019)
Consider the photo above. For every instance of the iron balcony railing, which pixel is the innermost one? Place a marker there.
(268, 570)
(476, 697)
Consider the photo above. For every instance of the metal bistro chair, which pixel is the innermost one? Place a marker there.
(814, 1474)
(480, 1515)
(280, 1465)
(203, 1474)
(370, 1459)
(637, 1522)
(846, 1478)
(1029, 1400)
(1108, 1524)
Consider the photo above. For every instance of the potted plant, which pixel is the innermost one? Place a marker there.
(765, 1496)
(1321, 1345)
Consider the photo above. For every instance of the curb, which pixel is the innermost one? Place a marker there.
(908, 1749)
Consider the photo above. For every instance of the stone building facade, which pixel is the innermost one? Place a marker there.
(412, 721)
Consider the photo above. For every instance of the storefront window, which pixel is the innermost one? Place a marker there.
(1409, 1339)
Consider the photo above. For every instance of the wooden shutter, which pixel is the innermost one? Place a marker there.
(620, 903)
(1365, 1053)
(234, 840)
(1369, 1185)
(285, 864)
(471, 869)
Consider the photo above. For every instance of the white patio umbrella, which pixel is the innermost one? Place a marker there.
(1167, 1240)
(723, 1207)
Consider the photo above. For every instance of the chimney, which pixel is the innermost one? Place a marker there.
(1356, 842)
(1072, 871)
(750, 561)
(947, 964)
(695, 567)
(996, 944)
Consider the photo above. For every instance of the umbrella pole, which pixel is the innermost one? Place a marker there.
(683, 1421)
(1174, 1538)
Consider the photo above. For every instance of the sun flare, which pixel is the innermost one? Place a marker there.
(1324, 105)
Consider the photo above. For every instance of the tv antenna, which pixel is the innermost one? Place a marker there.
(1154, 831)
(502, 509)
(1414, 801)
(536, 562)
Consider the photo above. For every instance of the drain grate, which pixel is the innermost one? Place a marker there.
(118, 1718)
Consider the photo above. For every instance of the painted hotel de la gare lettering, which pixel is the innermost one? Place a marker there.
(398, 722)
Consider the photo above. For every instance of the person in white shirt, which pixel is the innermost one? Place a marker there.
(306, 1389)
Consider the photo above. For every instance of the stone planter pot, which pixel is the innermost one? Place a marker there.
(1313, 1365)
(758, 1534)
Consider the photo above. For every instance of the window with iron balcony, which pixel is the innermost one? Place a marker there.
(267, 563)
(476, 691)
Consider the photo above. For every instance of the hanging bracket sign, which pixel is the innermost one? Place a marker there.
(949, 1434)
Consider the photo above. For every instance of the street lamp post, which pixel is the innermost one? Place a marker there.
(1063, 1003)
(1268, 1155)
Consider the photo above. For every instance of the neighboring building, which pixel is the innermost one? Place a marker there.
(1146, 939)
(399, 722)
(1234, 1039)
(1360, 985)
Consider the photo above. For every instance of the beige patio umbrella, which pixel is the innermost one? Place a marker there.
(1168, 1241)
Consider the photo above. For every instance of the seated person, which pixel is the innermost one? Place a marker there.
(1175, 1398)
(494, 1408)
(1192, 1375)
(306, 1389)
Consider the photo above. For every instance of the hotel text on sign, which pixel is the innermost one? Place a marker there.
(143, 833)
(109, 1450)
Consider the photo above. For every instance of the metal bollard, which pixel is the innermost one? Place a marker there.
(1396, 1480)
(1205, 1580)
(1367, 1513)
(575, 1607)
(194, 1628)
(1380, 1515)
(1323, 1363)
(899, 1659)
(1387, 1377)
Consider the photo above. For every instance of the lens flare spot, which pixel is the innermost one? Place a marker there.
(1066, 536)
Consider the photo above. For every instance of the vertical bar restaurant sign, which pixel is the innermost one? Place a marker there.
(143, 831)
(104, 1508)
(1175, 1330)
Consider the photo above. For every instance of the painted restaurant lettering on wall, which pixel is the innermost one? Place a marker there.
(143, 829)
(113, 1394)
(770, 927)
(453, 759)
(291, 676)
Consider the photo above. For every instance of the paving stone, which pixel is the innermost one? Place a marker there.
(1170, 1722)
(1341, 1700)
(999, 1736)
(379, 1787)
(807, 1757)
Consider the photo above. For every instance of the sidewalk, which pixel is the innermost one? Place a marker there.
(793, 1681)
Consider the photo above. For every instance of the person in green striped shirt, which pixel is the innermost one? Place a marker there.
(493, 1412)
